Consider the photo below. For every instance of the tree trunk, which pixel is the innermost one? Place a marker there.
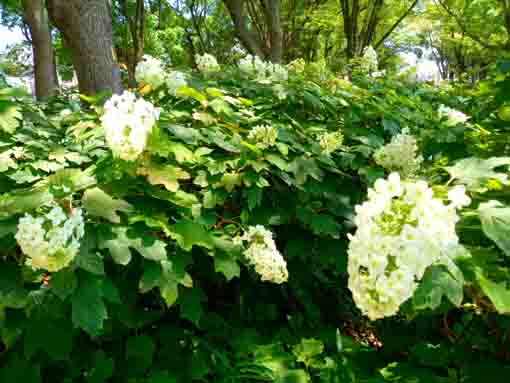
(136, 25)
(35, 15)
(259, 29)
(87, 27)
(272, 13)
(249, 39)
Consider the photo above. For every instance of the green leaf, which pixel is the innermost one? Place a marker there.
(167, 275)
(495, 219)
(166, 175)
(151, 276)
(140, 349)
(63, 283)
(186, 91)
(319, 223)
(100, 204)
(230, 181)
(304, 167)
(278, 161)
(168, 284)
(10, 116)
(190, 304)
(20, 370)
(475, 172)
(307, 350)
(189, 234)
(12, 292)
(160, 377)
(102, 368)
(119, 247)
(220, 107)
(88, 308)
(436, 283)
(498, 293)
(225, 264)
(48, 335)
(87, 258)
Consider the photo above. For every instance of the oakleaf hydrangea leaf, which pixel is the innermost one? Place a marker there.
(167, 175)
(190, 304)
(226, 265)
(98, 203)
(89, 310)
(10, 116)
(188, 233)
(495, 219)
(498, 293)
(475, 172)
(436, 283)
(120, 246)
(307, 350)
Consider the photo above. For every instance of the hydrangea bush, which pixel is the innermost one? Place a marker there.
(208, 229)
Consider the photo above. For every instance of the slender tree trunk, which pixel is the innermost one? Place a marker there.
(272, 12)
(136, 24)
(87, 27)
(249, 39)
(36, 16)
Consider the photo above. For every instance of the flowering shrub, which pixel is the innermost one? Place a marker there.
(211, 230)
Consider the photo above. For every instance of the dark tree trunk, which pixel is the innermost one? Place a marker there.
(36, 17)
(258, 26)
(87, 27)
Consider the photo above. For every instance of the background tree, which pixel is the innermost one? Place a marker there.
(258, 26)
(32, 18)
(45, 72)
(86, 26)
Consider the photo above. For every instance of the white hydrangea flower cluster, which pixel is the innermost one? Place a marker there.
(175, 80)
(51, 241)
(453, 116)
(150, 71)
(127, 123)
(255, 67)
(280, 91)
(400, 154)
(370, 60)
(207, 63)
(263, 135)
(262, 254)
(331, 141)
(402, 230)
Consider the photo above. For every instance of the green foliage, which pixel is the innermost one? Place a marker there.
(160, 290)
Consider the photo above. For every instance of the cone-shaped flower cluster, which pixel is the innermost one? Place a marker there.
(127, 124)
(262, 254)
(50, 240)
(402, 230)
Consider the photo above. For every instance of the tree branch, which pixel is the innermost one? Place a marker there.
(464, 30)
(396, 24)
